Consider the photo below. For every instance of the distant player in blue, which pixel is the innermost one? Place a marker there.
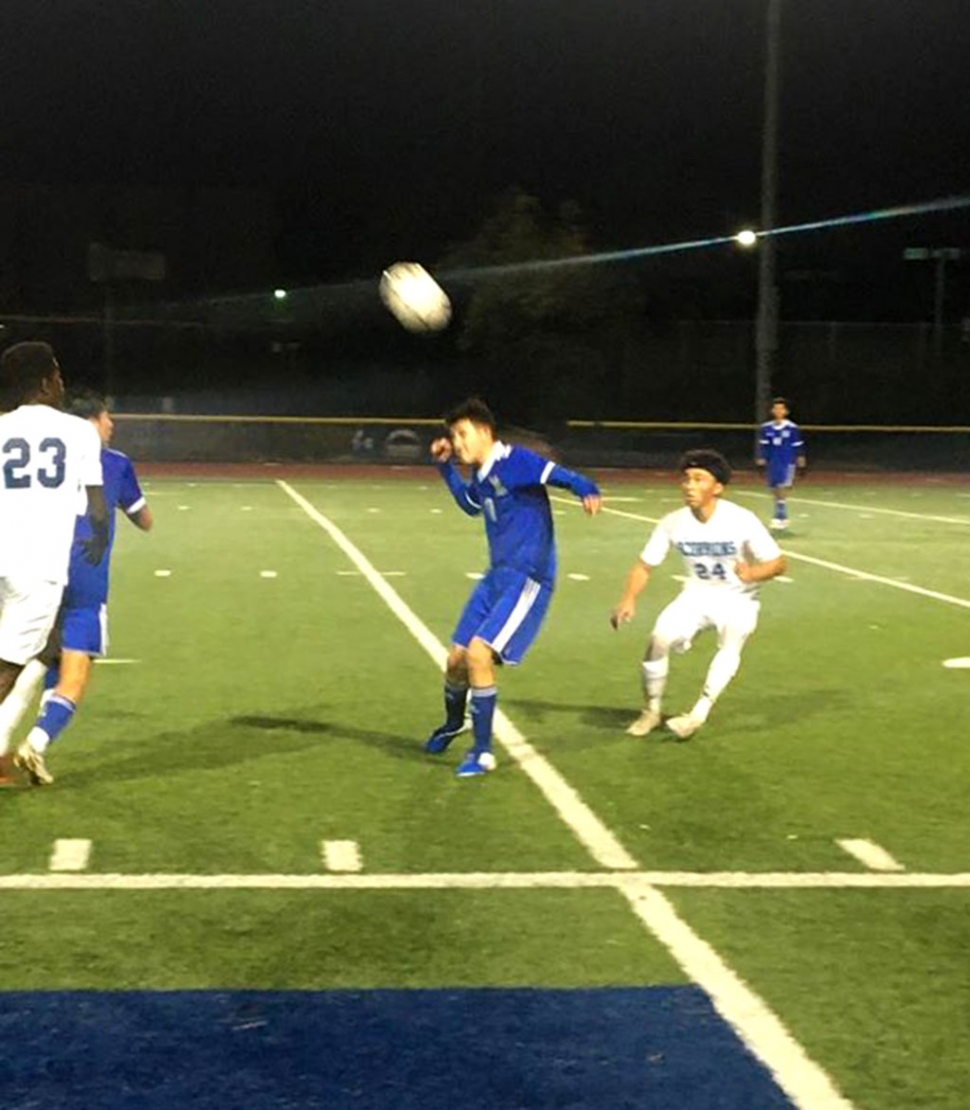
(505, 611)
(81, 633)
(781, 451)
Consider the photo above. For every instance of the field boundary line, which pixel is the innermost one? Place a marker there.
(490, 880)
(965, 521)
(598, 840)
(922, 591)
(805, 1082)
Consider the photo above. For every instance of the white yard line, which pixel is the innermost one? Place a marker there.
(585, 825)
(856, 508)
(870, 855)
(70, 855)
(852, 571)
(805, 1083)
(341, 855)
(497, 880)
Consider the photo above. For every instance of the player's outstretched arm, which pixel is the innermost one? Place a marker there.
(626, 608)
(584, 488)
(443, 454)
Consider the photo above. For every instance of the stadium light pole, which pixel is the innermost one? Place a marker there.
(766, 326)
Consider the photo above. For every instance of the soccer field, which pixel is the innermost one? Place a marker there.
(283, 902)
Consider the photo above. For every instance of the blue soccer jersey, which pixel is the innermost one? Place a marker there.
(87, 586)
(509, 490)
(780, 445)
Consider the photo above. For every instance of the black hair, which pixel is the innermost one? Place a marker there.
(87, 403)
(781, 401)
(703, 458)
(24, 368)
(475, 410)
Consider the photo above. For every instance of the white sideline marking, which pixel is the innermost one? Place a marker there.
(436, 510)
(804, 1081)
(961, 663)
(163, 574)
(871, 855)
(578, 577)
(474, 575)
(497, 880)
(183, 508)
(268, 574)
(341, 855)
(851, 571)
(784, 578)
(100, 661)
(245, 508)
(795, 1072)
(373, 510)
(70, 855)
(869, 508)
(585, 825)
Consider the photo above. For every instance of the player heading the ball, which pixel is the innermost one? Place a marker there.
(727, 554)
(505, 611)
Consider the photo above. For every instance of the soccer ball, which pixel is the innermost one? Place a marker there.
(414, 298)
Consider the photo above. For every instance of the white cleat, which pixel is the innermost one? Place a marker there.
(31, 762)
(646, 722)
(684, 726)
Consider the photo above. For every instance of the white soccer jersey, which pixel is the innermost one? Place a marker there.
(46, 460)
(712, 548)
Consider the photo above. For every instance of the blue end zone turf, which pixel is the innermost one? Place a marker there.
(488, 1049)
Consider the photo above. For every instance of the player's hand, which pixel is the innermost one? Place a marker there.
(592, 504)
(442, 449)
(759, 462)
(94, 550)
(744, 570)
(623, 613)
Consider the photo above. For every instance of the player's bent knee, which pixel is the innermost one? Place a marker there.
(657, 648)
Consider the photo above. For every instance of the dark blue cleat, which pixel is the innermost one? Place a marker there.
(442, 736)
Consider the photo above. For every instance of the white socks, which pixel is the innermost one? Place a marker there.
(19, 700)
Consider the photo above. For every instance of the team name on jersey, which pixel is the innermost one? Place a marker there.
(691, 549)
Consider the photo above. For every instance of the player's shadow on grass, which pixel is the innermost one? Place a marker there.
(221, 744)
(403, 747)
(593, 716)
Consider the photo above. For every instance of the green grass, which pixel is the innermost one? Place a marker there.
(264, 715)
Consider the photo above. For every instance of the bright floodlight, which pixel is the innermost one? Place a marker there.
(746, 238)
(279, 294)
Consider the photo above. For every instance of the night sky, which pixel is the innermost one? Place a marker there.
(384, 129)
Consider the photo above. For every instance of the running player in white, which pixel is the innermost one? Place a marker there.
(47, 461)
(727, 554)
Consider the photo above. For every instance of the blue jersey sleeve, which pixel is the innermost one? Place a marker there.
(461, 491)
(525, 468)
(130, 496)
(797, 442)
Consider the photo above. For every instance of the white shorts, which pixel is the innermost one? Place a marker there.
(732, 615)
(27, 613)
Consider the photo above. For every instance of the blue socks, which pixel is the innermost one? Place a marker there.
(483, 711)
(56, 715)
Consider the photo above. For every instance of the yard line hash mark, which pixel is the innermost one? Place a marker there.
(870, 855)
(806, 1084)
(70, 855)
(341, 855)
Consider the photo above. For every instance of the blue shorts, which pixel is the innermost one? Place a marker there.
(506, 610)
(781, 477)
(85, 629)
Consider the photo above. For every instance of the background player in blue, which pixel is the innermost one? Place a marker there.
(505, 611)
(780, 451)
(81, 633)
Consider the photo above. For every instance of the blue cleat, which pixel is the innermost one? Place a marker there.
(475, 763)
(442, 736)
